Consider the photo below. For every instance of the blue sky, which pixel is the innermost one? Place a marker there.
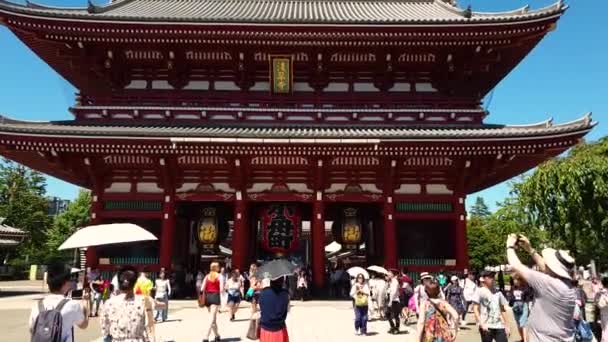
(564, 77)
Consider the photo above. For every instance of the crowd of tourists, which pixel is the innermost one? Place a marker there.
(546, 302)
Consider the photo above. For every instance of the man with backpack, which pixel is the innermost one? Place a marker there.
(53, 318)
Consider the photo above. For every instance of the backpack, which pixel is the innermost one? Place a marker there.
(436, 325)
(49, 323)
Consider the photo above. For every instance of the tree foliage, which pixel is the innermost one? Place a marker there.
(562, 204)
(487, 234)
(24, 206)
(480, 208)
(65, 224)
(568, 198)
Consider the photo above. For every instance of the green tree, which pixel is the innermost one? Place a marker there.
(24, 205)
(483, 245)
(480, 209)
(65, 224)
(568, 198)
(487, 234)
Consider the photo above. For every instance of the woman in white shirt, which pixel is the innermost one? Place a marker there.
(302, 285)
(380, 289)
(234, 288)
(162, 286)
(360, 293)
(469, 287)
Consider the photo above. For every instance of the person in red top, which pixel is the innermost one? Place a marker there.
(211, 289)
(405, 278)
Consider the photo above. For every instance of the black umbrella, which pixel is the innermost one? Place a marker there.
(276, 269)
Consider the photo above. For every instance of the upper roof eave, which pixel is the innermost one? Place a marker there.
(438, 13)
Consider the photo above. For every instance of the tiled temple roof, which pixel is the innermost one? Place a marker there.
(286, 11)
(9, 231)
(384, 132)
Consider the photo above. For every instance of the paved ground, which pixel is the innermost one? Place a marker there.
(314, 321)
(11, 288)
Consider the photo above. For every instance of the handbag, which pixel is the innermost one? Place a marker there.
(201, 300)
(253, 332)
(583, 331)
(361, 300)
(249, 294)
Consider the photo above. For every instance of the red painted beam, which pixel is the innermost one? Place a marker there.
(353, 198)
(279, 197)
(205, 197)
(129, 196)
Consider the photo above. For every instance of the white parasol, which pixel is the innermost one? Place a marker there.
(107, 234)
(355, 271)
(333, 247)
(378, 269)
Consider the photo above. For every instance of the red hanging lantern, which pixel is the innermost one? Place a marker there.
(281, 224)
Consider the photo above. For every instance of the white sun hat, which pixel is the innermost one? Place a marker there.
(425, 275)
(559, 262)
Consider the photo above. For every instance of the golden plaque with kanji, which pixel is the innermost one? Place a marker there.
(281, 74)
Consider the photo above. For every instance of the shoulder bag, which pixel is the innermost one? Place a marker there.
(201, 294)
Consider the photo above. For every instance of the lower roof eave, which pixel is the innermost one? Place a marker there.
(289, 140)
(41, 133)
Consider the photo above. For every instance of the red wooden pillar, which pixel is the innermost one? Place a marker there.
(168, 228)
(96, 208)
(318, 242)
(390, 234)
(240, 234)
(462, 255)
(388, 212)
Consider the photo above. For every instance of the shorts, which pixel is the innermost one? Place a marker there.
(521, 315)
(212, 298)
(235, 299)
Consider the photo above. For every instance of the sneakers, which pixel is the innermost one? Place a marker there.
(357, 333)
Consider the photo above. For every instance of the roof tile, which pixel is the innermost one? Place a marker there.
(286, 11)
